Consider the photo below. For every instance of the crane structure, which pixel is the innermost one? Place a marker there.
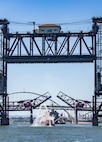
(69, 47)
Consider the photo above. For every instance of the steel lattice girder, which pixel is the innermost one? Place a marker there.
(36, 48)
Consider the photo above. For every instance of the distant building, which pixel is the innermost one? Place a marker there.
(49, 28)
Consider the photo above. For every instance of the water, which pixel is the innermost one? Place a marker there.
(60, 133)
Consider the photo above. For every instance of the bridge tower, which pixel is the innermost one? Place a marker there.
(97, 98)
(3, 73)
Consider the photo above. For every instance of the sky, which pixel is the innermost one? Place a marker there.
(75, 80)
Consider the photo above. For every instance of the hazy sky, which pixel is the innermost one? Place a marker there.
(76, 80)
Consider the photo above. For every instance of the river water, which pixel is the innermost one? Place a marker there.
(60, 133)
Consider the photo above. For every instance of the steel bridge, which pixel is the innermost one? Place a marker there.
(34, 103)
(78, 105)
(78, 47)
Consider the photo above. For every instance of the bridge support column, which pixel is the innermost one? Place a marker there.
(76, 116)
(95, 120)
(31, 116)
(4, 119)
(5, 113)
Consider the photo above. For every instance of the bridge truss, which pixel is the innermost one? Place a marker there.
(47, 48)
(75, 104)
